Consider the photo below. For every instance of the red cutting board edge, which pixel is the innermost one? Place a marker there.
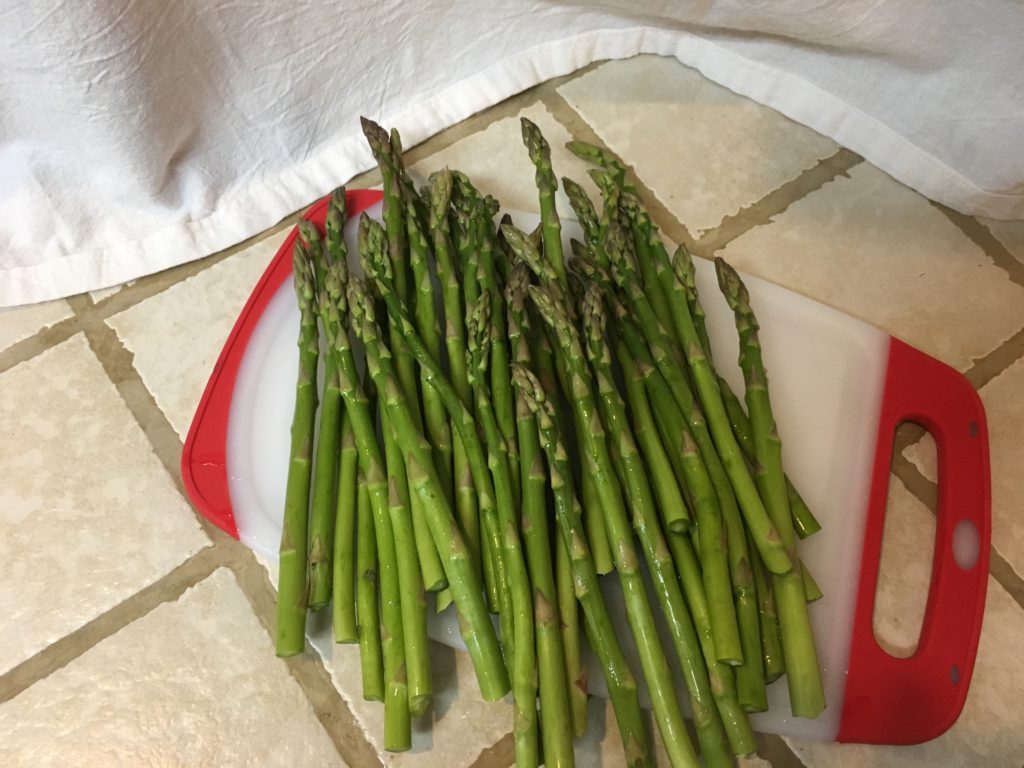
(886, 700)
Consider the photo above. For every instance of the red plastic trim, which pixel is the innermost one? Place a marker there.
(204, 457)
(908, 701)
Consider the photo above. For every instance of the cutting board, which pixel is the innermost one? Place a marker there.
(840, 387)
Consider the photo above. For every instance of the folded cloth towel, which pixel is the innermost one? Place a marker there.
(139, 136)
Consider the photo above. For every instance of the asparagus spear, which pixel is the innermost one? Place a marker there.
(710, 732)
(292, 587)
(397, 726)
(410, 582)
(434, 416)
(622, 688)
(597, 535)
(455, 343)
(477, 632)
(771, 641)
(325, 473)
(467, 215)
(538, 345)
(371, 663)
(807, 697)
(524, 687)
(481, 261)
(552, 672)
(722, 455)
(682, 264)
(598, 462)
(707, 503)
(723, 683)
(343, 579)
(547, 185)
(397, 248)
(750, 674)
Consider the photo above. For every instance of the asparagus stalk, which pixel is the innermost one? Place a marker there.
(723, 679)
(750, 674)
(467, 215)
(723, 684)
(722, 455)
(410, 582)
(434, 416)
(397, 249)
(710, 732)
(599, 464)
(524, 671)
(807, 696)
(622, 688)
(538, 345)
(477, 632)
(811, 588)
(553, 675)
(711, 537)
(597, 535)
(343, 581)
(292, 587)
(371, 662)
(663, 478)
(682, 264)
(771, 641)
(397, 725)
(547, 185)
(325, 473)
(455, 344)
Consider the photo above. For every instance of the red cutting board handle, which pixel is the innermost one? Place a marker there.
(204, 466)
(908, 701)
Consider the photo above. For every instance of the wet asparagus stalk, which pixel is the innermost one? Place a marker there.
(292, 585)
(622, 688)
(807, 696)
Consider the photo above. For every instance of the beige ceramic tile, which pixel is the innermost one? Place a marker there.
(879, 251)
(193, 683)
(87, 512)
(903, 580)
(177, 335)
(1005, 415)
(1009, 233)
(703, 150)
(990, 732)
(497, 162)
(453, 733)
(922, 454)
(17, 323)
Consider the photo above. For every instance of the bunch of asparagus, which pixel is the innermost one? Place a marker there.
(524, 424)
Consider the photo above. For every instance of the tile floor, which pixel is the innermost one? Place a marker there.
(139, 635)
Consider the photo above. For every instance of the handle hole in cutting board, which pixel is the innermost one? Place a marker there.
(908, 546)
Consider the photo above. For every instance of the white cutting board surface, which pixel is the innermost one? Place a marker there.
(827, 372)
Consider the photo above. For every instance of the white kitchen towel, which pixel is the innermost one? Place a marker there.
(138, 135)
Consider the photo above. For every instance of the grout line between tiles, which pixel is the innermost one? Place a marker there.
(731, 227)
(307, 670)
(59, 654)
(501, 754)
(980, 235)
(38, 343)
(778, 200)
(988, 367)
(927, 493)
